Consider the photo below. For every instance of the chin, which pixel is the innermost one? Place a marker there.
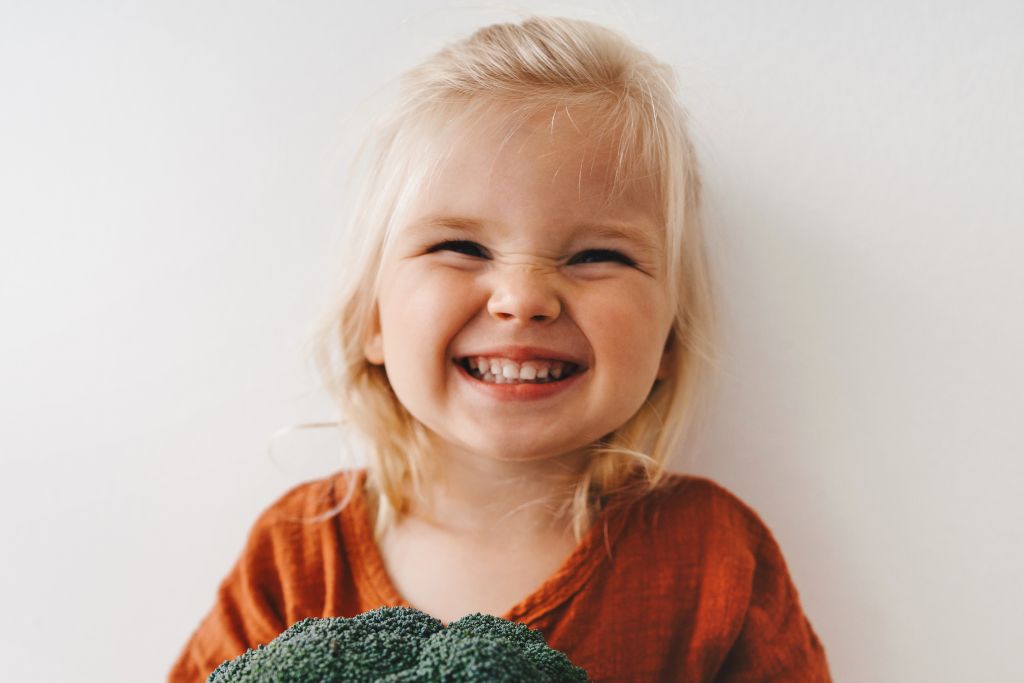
(525, 452)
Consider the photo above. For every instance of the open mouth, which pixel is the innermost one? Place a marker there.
(505, 371)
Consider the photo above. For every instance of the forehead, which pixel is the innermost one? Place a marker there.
(551, 165)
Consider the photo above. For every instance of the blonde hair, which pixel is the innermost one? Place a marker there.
(527, 67)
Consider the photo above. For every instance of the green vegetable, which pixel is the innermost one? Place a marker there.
(402, 645)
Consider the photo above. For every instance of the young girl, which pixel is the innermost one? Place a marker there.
(523, 341)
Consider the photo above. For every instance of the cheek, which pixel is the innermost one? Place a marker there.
(629, 326)
(419, 314)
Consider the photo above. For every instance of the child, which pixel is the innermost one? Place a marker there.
(523, 341)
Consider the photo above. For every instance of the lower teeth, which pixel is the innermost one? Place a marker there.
(493, 379)
(504, 380)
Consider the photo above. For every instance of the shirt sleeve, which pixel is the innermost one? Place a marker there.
(776, 642)
(247, 610)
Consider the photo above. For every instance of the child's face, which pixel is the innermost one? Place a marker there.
(517, 258)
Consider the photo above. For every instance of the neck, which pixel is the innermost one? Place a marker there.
(470, 495)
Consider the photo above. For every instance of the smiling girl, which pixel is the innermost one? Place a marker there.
(524, 340)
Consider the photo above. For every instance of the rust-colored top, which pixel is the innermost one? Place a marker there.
(686, 584)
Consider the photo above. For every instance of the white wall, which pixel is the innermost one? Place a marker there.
(172, 173)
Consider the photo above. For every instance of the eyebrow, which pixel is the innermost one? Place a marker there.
(625, 232)
(453, 222)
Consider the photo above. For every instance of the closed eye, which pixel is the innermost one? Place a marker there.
(601, 256)
(467, 247)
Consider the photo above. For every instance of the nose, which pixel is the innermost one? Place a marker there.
(524, 295)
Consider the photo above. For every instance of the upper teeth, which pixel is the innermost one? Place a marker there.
(503, 370)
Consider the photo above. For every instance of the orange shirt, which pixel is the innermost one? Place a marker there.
(686, 584)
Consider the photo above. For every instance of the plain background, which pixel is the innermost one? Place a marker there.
(172, 177)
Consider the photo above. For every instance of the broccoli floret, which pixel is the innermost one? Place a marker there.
(517, 634)
(455, 657)
(529, 644)
(410, 623)
(369, 646)
(402, 645)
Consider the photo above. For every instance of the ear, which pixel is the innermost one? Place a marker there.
(373, 344)
(667, 358)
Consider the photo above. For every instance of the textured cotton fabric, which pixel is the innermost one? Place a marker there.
(686, 584)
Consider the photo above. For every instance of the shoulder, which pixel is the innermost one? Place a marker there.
(306, 516)
(696, 519)
(696, 540)
(291, 541)
(318, 498)
(688, 500)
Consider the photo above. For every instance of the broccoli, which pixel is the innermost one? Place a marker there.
(402, 645)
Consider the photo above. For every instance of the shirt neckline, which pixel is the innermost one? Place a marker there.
(371, 576)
